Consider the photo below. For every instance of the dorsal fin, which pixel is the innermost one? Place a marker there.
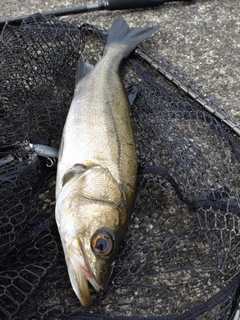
(132, 92)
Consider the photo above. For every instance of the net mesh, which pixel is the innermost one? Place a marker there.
(180, 257)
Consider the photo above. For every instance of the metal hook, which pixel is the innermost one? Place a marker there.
(50, 162)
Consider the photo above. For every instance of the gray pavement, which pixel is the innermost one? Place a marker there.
(201, 38)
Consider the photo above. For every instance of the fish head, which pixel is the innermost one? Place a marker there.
(90, 247)
(91, 227)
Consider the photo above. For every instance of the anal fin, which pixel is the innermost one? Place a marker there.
(83, 69)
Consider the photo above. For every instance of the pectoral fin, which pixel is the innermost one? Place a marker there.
(95, 183)
(99, 184)
(76, 169)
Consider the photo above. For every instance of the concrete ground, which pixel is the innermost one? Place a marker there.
(202, 38)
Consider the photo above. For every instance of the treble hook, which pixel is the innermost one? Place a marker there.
(50, 162)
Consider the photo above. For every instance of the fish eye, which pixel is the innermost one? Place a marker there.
(102, 243)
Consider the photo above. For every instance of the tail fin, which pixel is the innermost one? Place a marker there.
(121, 34)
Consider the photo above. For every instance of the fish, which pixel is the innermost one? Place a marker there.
(97, 165)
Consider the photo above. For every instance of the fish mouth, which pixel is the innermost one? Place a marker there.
(80, 273)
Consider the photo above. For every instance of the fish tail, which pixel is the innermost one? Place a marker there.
(121, 34)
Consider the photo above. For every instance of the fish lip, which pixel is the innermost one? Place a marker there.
(81, 272)
(87, 271)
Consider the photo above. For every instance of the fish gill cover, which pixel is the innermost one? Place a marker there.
(180, 257)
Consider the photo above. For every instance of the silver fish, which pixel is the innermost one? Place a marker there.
(97, 167)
